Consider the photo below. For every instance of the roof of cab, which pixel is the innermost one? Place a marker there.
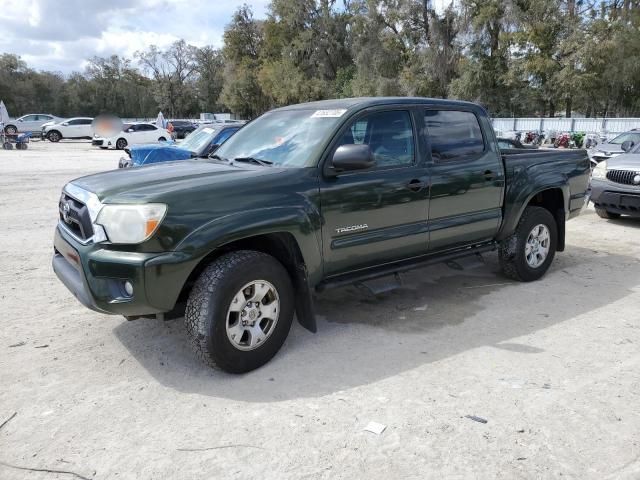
(364, 102)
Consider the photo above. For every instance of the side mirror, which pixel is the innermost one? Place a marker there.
(65, 124)
(20, 120)
(352, 157)
(627, 146)
(129, 130)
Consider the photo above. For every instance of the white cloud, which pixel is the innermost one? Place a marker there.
(60, 35)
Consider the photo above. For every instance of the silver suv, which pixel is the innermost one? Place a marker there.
(615, 184)
(613, 147)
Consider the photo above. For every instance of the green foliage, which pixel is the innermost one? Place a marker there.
(515, 57)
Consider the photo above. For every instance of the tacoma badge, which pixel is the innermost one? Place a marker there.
(352, 228)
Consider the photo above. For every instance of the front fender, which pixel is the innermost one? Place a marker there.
(303, 224)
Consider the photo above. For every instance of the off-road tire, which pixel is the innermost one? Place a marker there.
(121, 144)
(604, 213)
(209, 300)
(512, 249)
(54, 136)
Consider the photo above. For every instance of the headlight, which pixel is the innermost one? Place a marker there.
(131, 223)
(600, 172)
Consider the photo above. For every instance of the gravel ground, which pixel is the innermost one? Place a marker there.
(552, 366)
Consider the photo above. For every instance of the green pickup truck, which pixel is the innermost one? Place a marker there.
(305, 198)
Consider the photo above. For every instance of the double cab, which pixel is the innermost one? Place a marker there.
(305, 198)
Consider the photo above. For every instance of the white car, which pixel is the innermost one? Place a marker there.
(76, 127)
(133, 134)
(29, 123)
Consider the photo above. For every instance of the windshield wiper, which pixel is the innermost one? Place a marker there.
(218, 157)
(258, 161)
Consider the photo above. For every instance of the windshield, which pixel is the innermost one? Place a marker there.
(620, 139)
(199, 139)
(285, 138)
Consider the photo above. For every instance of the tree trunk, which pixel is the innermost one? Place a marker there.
(569, 106)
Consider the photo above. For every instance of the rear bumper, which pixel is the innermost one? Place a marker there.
(616, 198)
(96, 276)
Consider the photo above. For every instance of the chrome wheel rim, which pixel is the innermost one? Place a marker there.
(536, 248)
(252, 315)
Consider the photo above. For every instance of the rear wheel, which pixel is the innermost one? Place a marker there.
(240, 311)
(604, 213)
(121, 144)
(162, 139)
(527, 254)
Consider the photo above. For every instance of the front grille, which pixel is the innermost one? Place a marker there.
(625, 177)
(74, 215)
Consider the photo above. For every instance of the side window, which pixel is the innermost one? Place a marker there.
(45, 117)
(29, 118)
(83, 121)
(75, 122)
(504, 145)
(453, 134)
(222, 136)
(388, 134)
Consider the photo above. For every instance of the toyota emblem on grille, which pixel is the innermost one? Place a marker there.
(65, 212)
(636, 179)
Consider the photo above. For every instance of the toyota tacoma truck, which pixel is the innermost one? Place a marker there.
(305, 198)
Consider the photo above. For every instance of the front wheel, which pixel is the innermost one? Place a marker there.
(54, 136)
(604, 213)
(10, 130)
(121, 144)
(527, 254)
(240, 310)
(162, 139)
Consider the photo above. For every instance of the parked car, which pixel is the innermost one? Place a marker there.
(615, 184)
(612, 148)
(30, 123)
(305, 198)
(133, 134)
(201, 143)
(76, 127)
(509, 143)
(182, 128)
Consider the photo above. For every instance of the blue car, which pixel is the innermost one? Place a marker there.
(201, 143)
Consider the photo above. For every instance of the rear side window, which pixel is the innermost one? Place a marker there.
(388, 134)
(453, 134)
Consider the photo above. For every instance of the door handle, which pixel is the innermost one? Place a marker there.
(416, 185)
(489, 175)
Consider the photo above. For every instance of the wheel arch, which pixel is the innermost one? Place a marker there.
(552, 197)
(284, 247)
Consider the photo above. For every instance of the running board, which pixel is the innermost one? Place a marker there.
(452, 258)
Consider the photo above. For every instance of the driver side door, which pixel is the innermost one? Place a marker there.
(377, 215)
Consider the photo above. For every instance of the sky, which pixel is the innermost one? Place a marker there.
(60, 35)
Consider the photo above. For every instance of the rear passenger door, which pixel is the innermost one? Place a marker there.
(467, 178)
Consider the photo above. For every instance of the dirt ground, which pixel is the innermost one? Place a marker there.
(552, 366)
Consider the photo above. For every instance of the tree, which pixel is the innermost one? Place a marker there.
(174, 71)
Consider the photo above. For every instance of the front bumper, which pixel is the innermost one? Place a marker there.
(96, 275)
(616, 198)
(97, 142)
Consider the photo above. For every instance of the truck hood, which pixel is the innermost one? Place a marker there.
(158, 182)
(627, 161)
(608, 149)
(158, 152)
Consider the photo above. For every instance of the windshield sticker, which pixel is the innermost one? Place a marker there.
(329, 113)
